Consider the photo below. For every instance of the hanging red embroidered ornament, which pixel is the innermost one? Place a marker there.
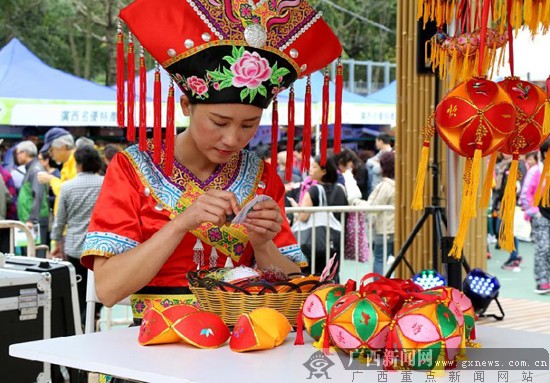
(474, 119)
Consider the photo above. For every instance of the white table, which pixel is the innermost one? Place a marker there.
(118, 353)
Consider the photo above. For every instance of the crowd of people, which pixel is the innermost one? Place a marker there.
(53, 190)
(534, 217)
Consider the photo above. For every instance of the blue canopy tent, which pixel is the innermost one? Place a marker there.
(32, 93)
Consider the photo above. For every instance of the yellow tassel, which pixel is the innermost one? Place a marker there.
(546, 121)
(542, 181)
(488, 183)
(475, 175)
(418, 196)
(507, 209)
(419, 9)
(464, 219)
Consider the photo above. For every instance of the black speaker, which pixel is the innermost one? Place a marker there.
(423, 52)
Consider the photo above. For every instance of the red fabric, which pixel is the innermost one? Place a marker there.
(123, 209)
(160, 28)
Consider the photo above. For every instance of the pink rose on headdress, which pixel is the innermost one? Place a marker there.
(250, 70)
(197, 85)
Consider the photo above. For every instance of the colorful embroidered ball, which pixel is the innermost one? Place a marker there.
(359, 322)
(423, 333)
(157, 322)
(317, 306)
(261, 329)
(476, 114)
(531, 105)
(202, 329)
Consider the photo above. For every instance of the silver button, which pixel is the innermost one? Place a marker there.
(171, 52)
(158, 207)
(303, 68)
(147, 192)
(294, 53)
(206, 37)
(261, 185)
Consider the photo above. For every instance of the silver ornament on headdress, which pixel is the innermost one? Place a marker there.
(255, 35)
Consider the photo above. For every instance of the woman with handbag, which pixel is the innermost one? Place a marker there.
(327, 192)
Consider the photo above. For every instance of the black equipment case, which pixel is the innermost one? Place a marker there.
(38, 300)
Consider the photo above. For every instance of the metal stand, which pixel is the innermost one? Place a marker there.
(436, 211)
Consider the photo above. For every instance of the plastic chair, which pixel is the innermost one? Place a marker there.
(92, 299)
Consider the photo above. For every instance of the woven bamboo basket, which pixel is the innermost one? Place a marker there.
(230, 301)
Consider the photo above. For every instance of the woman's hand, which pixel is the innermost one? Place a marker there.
(263, 222)
(213, 206)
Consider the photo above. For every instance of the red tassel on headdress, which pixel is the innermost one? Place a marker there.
(274, 136)
(306, 138)
(131, 129)
(142, 101)
(170, 131)
(324, 120)
(338, 107)
(157, 131)
(290, 136)
(120, 112)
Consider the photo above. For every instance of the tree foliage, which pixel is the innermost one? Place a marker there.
(79, 36)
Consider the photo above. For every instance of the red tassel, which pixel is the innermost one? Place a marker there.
(131, 130)
(338, 107)
(157, 130)
(306, 138)
(274, 137)
(142, 102)
(351, 285)
(324, 120)
(170, 131)
(326, 339)
(290, 136)
(299, 328)
(120, 112)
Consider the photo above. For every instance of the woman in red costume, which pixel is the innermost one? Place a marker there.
(230, 58)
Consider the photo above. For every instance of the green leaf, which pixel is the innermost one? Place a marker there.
(226, 83)
(235, 52)
(262, 90)
(253, 93)
(231, 60)
(244, 93)
(241, 52)
(227, 72)
(281, 72)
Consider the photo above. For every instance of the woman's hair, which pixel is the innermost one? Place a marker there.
(387, 164)
(87, 157)
(66, 140)
(347, 155)
(331, 173)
